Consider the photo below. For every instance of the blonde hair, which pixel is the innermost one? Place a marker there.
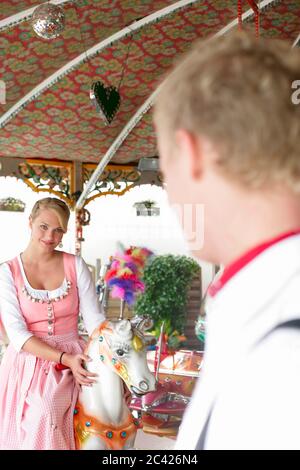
(59, 207)
(237, 91)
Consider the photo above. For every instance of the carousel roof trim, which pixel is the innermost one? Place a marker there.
(74, 63)
(26, 14)
(296, 41)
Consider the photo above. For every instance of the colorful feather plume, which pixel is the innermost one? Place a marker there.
(126, 272)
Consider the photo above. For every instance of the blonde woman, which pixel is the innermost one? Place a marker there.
(42, 291)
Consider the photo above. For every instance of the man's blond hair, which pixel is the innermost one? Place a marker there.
(237, 91)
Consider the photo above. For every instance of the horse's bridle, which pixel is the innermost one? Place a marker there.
(105, 355)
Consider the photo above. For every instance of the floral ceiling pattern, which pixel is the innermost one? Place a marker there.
(61, 122)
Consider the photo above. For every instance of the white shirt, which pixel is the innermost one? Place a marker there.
(248, 394)
(12, 318)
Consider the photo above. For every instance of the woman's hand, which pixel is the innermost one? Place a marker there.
(81, 375)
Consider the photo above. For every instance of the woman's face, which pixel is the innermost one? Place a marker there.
(46, 230)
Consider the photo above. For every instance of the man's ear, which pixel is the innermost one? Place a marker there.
(189, 148)
(30, 222)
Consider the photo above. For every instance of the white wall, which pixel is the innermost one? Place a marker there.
(113, 219)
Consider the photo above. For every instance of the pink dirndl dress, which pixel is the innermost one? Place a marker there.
(36, 399)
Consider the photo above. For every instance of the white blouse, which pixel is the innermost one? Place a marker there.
(12, 318)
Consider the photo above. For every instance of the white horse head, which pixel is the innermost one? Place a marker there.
(102, 417)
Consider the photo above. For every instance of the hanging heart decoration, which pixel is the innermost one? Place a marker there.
(106, 100)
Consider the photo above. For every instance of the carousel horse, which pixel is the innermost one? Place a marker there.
(102, 419)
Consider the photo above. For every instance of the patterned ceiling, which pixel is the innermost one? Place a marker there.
(61, 122)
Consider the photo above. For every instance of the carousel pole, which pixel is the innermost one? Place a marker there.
(83, 218)
(78, 234)
(158, 351)
(122, 309)
(77, 188)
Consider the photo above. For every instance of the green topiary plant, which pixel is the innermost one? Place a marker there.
(167, 279)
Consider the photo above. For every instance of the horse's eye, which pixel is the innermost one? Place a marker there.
(120, 352)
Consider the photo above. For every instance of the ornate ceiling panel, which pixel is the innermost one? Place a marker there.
(60, 122)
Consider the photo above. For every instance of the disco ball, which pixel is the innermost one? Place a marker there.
(48, 21)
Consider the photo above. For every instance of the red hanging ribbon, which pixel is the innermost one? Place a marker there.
(255, 8)
(253, 5)
(239, 14)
